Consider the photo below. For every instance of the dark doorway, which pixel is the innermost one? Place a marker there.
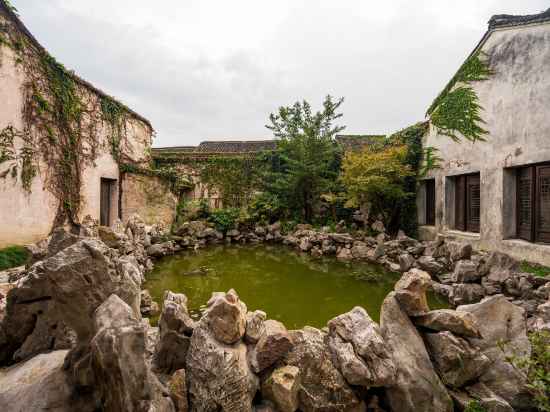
(106, 197)
(430, 202)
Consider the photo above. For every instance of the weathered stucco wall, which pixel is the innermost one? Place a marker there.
(516, 102)
(149, 197)
(27, 217)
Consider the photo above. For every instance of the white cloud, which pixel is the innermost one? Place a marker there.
(212, 69)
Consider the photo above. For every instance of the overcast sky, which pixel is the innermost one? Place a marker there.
(215, 69)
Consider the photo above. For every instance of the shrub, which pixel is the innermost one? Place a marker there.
(537, 368)
(474, 406)
(192, 210)
(13, 256)
(224, 219)
(376, 176)
(266, 208)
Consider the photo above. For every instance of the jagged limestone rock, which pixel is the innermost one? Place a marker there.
(456, 361)
(281, 387)
(274, 343)
(359, 351)
(410, 291)
(226, 317)
(218, 374)
(323, 388)
(417, 386)
(457, 322)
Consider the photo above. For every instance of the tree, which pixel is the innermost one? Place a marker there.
(308, 155)
(376, 176)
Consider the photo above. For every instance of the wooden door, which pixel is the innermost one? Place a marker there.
(473, 202)
(542, 226)
(525, 203)
(105, 202)
(430, 202)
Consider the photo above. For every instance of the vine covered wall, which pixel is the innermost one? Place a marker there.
(57, 131)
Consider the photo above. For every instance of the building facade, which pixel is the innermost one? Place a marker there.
(52, 160)
(495, 193)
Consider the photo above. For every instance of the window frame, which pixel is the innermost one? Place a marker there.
(534, 233)
(464, 218)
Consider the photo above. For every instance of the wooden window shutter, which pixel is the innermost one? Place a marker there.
(473, 201)
(430, 202)
(460, 203)
(543, 204)
(525, 203)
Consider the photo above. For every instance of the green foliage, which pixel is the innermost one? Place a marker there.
(114, 113)
(474, 406)
(11, 7)
(307, 157)
(431, 161)
(535, 269)
(13, 256)
(456, 111)
(537, 368)
(376, 176)
(411, 137)
(266, 208)
(20, 161)
(235, 178)
(177, 181)
(224, 219)
(191, 210)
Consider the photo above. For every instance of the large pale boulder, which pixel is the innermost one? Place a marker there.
(39, 384)
(504, 330)
(323, 388)
(61, 293)
(175, 329)
(122, 377)
(457, 322)
(226, 317)
(282, 387)
(274, 343)
(218, 375)
(456, 361)
(410, 291)
(359, 350)
(417, 386)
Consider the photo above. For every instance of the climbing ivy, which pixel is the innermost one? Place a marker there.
(114, 113)
(411, 137)
(60, 125)
(22, 160)
(431, 161)
(456, 111)
(235, 178)
(177, 181)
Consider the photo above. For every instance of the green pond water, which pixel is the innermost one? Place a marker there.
(293, 288)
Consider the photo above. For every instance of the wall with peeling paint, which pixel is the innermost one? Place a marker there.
(516, 102)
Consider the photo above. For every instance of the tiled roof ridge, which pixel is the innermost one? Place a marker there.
(509, 20)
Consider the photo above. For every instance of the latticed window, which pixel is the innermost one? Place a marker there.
(533, 203)
(467, 202)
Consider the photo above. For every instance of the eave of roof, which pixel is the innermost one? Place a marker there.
(6, 11)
